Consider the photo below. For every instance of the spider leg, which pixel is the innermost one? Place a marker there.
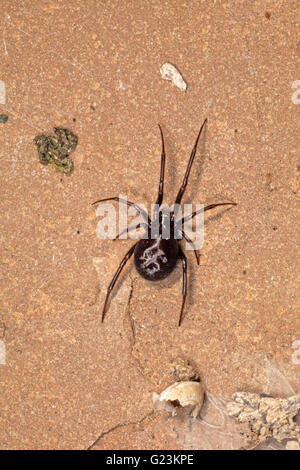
(187, 173)
(161, 180)
(162, 170)
(128, 229)
(111, 285)
(204, 209)
(124, 201)
(193, 245)
(184, 282)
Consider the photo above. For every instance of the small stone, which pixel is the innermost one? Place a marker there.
(169, 72)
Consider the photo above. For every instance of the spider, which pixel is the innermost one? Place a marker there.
(155, 257)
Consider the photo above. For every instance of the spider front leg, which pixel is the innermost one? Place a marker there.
(162, 170)
(162, 177)
(187, 173)
(184, 282)
(118, 272)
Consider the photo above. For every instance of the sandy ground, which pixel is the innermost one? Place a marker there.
(67, 380)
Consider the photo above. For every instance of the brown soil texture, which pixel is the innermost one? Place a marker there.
(70, 381)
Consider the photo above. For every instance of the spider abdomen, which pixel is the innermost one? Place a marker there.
(155, 259)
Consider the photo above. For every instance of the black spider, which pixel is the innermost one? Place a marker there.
(155, 257)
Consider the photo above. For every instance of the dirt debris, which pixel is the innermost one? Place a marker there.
(263, 417)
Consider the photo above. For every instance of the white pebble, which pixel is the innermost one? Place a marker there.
(170, 72)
